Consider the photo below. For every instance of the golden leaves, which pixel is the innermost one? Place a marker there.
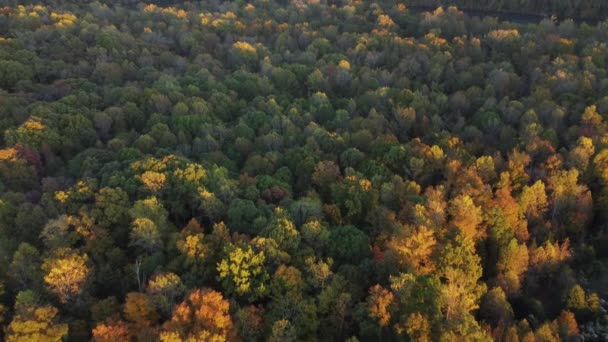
(36, 324)
(378, 304)
(417, 326)
(179, 13)
(192, 173)
(111, 331)
(152, 180)
(466, 216)
(503, 34)
(202, 316)
(192, 246)
(145, 233)
(415, 250)
(33, 124)
(241, 268)
(344, 64)
(66, 273)
(550, 254)
(244, 47)
(163, 281)
(362, 183)
(386, 21)
(139, 309)
(8, 154)
(63, 19)
(61, 196)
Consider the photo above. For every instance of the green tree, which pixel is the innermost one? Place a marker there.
(24, 270)
(163, 289)
(146, 235)
(283, 330)
(241, 214)
(348, 244)
(16, 172)
(12, 72)
(282, 230)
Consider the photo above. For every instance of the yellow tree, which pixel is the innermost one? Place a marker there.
(466, 216)
(581, 154)
(139, 309)
(111, 330)
(202, 316)
(436, 207)
(190, 242)
(571, 202)
(533, 200)
(460, 270)
(33, 322)
(550, 255)
(66, 273)
(418, 327)
(567, 324)
(414, 251)
(243, 272)
(378, 304)
(518, 161)
(512, 264)
(145, 234)
(510, 208)
(153, 181)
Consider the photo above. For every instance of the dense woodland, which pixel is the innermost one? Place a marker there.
(579, 9)
(301, 171)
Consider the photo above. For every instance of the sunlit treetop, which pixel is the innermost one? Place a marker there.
(303, 170)
(63, 19)
(245, 47)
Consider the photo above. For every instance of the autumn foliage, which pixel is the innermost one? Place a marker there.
(303, 170)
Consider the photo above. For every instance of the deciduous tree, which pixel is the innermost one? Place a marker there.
(35, 322)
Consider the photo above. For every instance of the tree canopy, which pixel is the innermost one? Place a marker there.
(303, 170)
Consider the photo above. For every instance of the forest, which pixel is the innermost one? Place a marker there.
(302, 170)
(577, 9)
